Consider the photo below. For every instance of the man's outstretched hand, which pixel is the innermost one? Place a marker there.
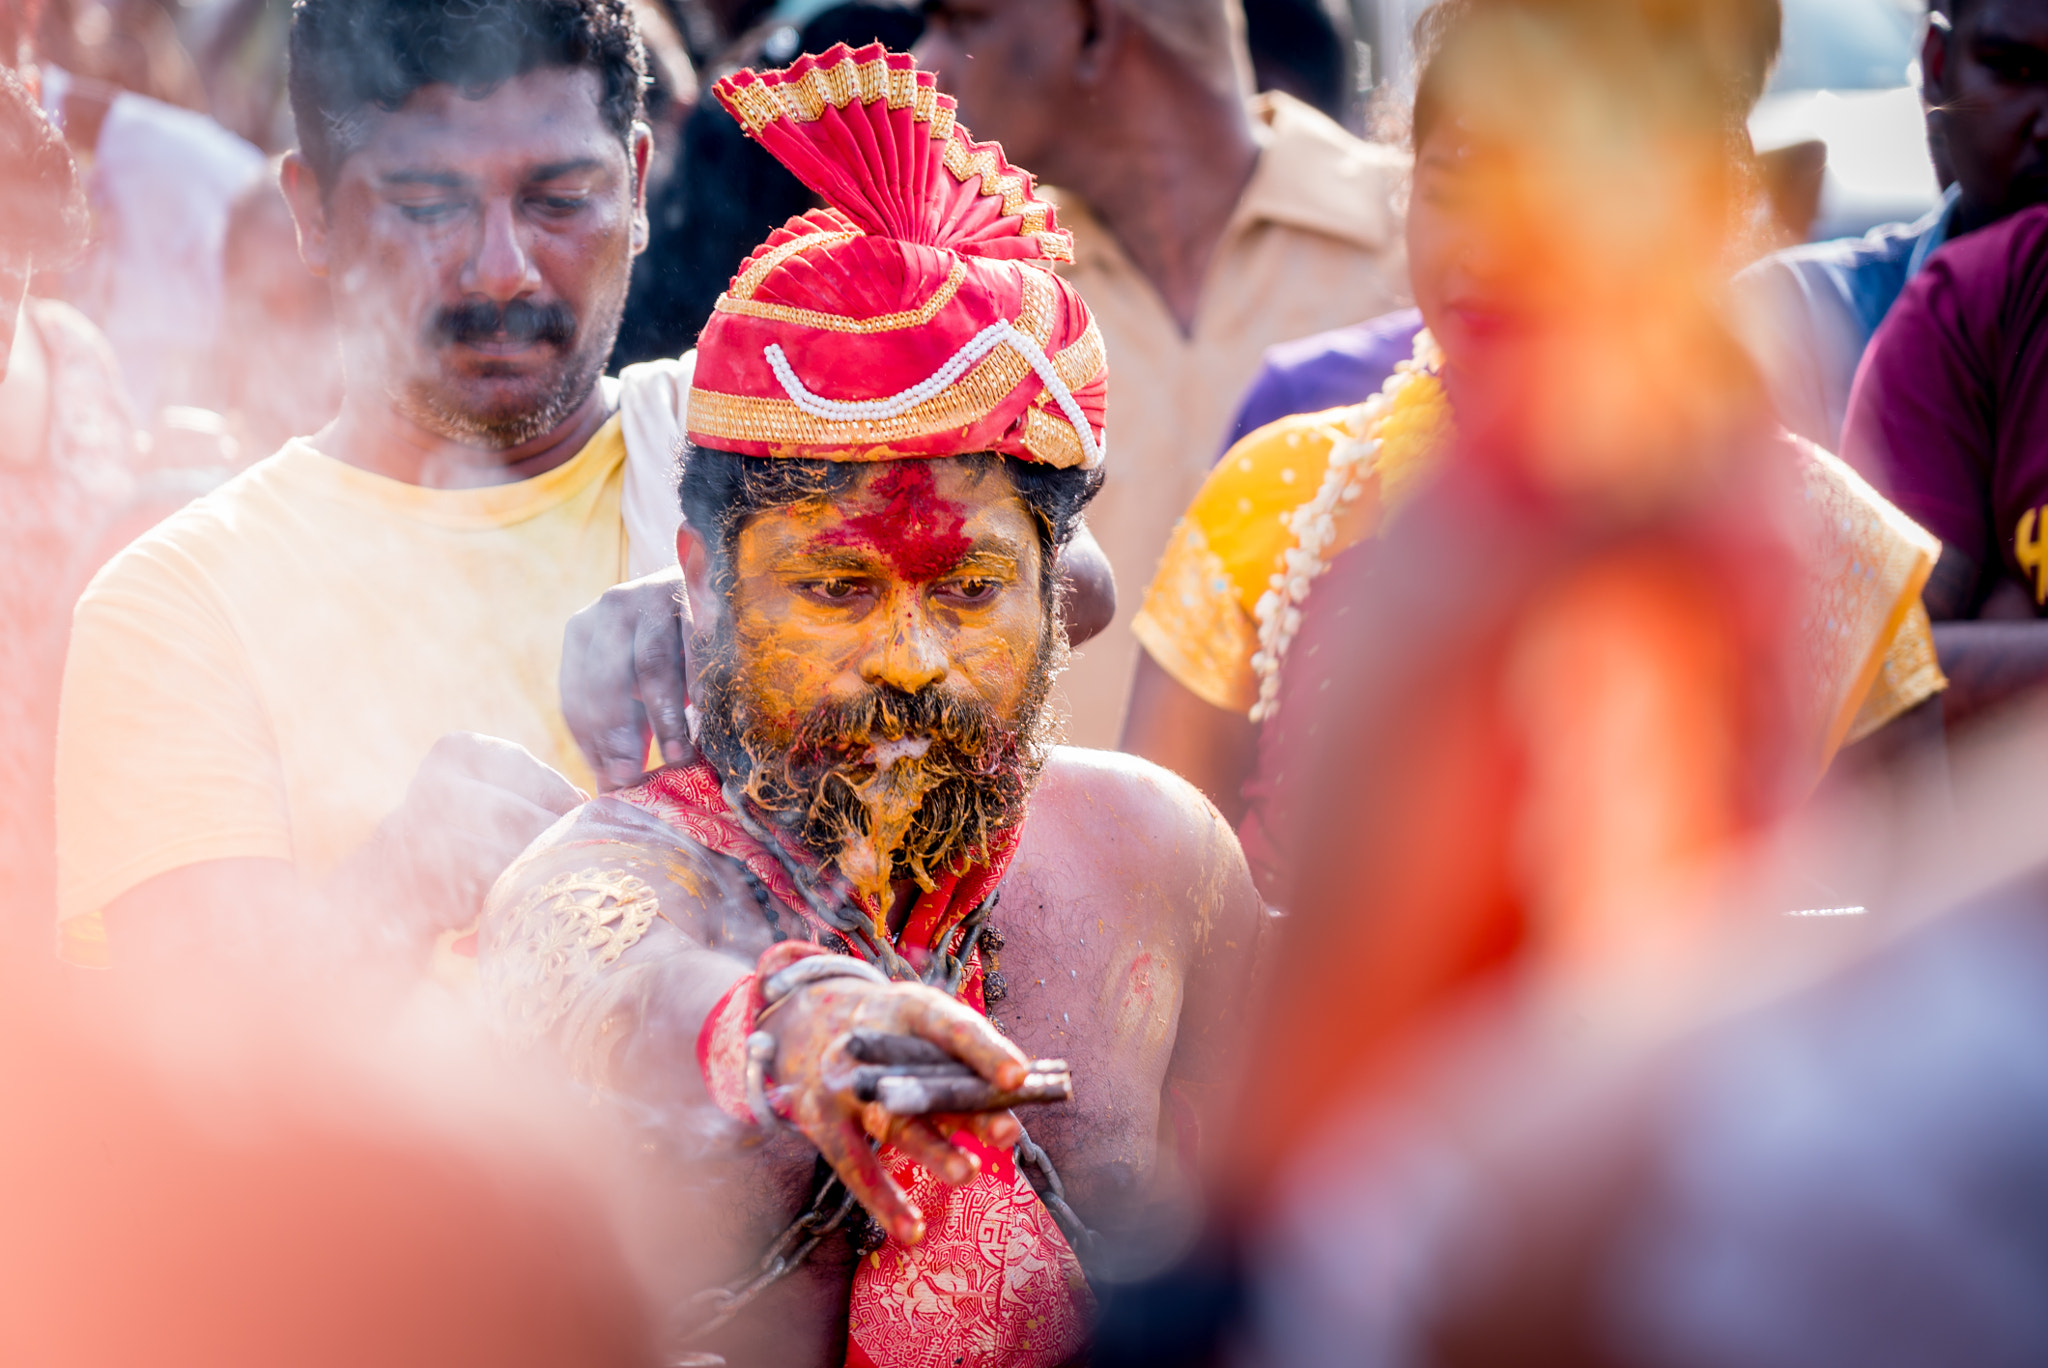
(623, 678)
(473, 805)
(815, 1072)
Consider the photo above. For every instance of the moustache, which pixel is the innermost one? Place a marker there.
(519, 320)
(886, 726)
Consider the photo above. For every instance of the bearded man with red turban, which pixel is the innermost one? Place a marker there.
(881, 863)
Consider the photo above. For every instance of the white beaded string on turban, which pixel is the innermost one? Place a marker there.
(981, 344)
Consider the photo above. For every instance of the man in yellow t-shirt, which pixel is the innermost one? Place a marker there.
(269, 703)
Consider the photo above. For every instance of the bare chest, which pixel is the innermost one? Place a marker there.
(1090, 978)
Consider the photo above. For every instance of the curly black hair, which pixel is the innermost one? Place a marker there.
(721, 490)
(350, 54)
(42, 214)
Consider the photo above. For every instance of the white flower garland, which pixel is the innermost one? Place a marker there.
(1353, 460)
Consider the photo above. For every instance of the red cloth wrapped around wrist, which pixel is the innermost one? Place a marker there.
(722, 1042)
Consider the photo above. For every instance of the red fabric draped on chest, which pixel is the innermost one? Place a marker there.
(993, 1284)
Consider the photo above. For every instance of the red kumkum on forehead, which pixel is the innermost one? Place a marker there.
(907, 521)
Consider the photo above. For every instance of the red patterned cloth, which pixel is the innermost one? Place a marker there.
(918, 314)
(993, 1284)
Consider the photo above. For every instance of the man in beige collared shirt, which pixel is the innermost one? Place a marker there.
(1207, 227)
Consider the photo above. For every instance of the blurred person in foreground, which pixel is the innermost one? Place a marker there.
(225, 1181)
(1375, 415)
(67, 465)
(1576, 664)
(1950, 415)
(1571, 680)
(1853, 1170)
(879, 837)
(1813, 1141)
(1207, 227)
(1808, 312)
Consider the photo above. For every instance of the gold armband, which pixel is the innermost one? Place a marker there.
(551, 948)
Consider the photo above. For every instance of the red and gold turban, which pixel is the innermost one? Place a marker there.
(919, 314)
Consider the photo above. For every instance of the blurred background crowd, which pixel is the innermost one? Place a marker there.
(222, 344)
(175, 110)
(1812, 1137)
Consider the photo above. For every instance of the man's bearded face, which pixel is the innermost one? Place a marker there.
(480, 251)
(878, 685)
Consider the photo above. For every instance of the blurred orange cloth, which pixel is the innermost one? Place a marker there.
(1315, 243)
(261, 674)
(279, 1205)
(1590, 704)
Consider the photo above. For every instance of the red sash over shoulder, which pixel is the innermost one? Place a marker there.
(993, 1284)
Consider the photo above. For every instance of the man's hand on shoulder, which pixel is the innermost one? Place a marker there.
(624, 678)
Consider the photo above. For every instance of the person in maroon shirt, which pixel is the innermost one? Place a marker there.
(1949, 416)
